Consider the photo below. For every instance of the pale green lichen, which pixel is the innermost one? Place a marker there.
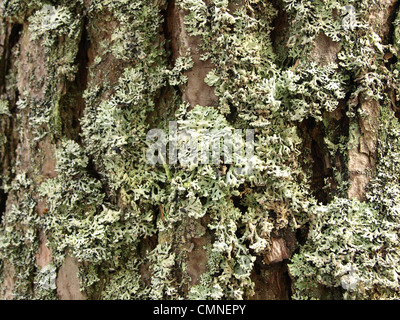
(163, 283)
(108, 203)
(45, 283)
(58, 28)
(4, 110)
(182, 64)
(18, 9)
(85, 223)
(18, 237)
(351, 250)
(126, 284)
(248, 82)
(363, 235)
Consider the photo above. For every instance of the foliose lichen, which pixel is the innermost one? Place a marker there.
(115, 212)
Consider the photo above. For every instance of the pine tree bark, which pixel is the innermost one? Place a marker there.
(82, 83)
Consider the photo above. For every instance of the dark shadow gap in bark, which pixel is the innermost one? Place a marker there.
(272, 281)
(164, 101)
(302, 236)
(288, 281)
(320, 163)
(8, 126)
(392, 60)
(168, 29)
(8, 158)
(72, 103)
(3, 202)
(238, 200)
(393, 11)
(279, 35)
(14, 37)
(313, 136)
(9, 42)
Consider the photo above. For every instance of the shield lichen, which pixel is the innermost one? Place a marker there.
(132, 225)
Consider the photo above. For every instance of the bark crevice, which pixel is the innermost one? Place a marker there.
(7, 124)
(72, 102)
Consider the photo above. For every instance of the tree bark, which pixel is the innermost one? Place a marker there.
(85, 216)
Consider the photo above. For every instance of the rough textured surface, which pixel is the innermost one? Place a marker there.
(43, 256)
(325, 50)
(85, 216)
(68, 285)
(278, 251)
(362, 158)
(196, 91)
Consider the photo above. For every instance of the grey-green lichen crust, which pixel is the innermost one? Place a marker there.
(127, 221)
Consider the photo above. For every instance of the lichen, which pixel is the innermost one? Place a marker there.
(131, 224)
(4, 113)
(363, 235)
(351, 250)
(19, 9)
(4, 108)
(59, 30)
(18, 238)
(45, 283)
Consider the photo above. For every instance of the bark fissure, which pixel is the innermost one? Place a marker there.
(11, 38)
(91, 90)
(72, 102)
(7, 124)
(3, 203)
